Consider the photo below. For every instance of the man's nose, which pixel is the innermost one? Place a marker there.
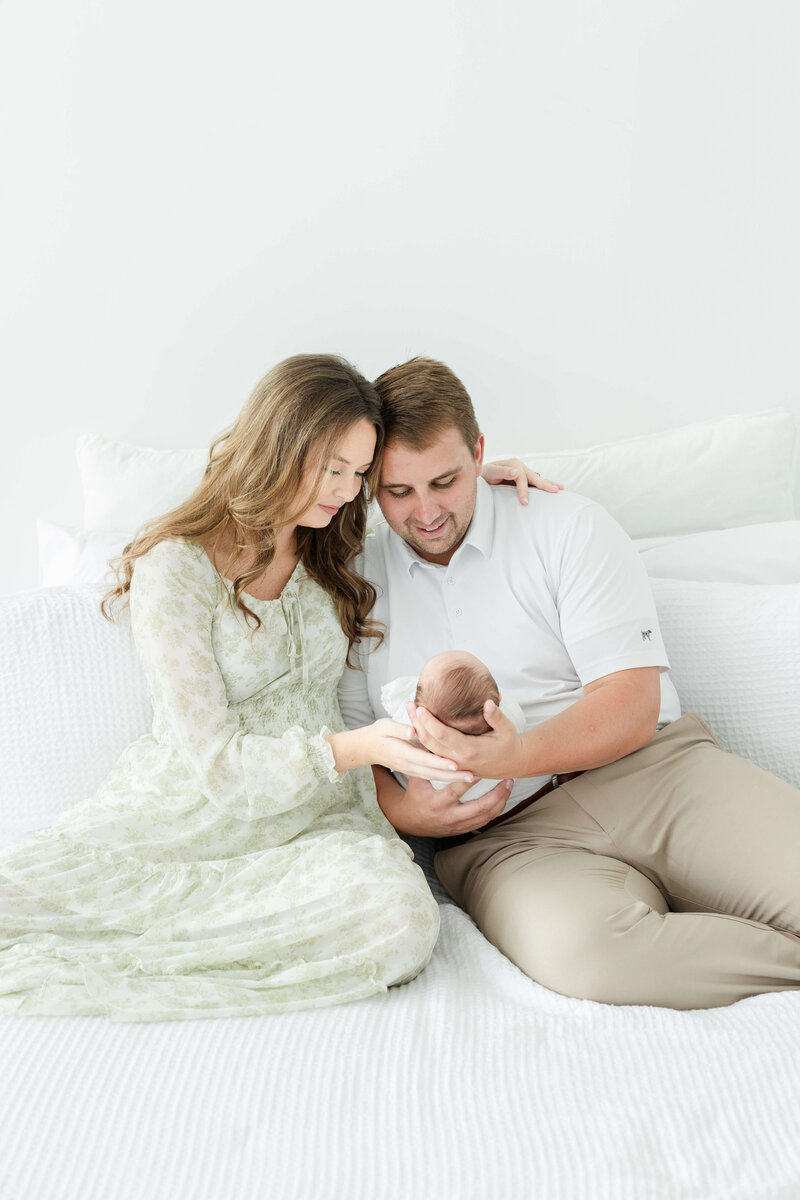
(427, 510)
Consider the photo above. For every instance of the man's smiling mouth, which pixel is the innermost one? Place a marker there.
(432, 530)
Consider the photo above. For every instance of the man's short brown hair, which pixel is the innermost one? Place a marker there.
(421, 399)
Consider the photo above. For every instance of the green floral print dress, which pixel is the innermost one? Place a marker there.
(223, 868)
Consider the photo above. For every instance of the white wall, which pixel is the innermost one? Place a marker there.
(589, 210)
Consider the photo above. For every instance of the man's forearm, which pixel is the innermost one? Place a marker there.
(390, 796)
(601, 727)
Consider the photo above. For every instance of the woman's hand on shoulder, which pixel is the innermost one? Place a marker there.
(387, 743)
(513, 471)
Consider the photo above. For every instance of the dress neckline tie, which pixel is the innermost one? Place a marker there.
(295, 629)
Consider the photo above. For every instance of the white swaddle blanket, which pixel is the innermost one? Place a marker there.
(396, 694)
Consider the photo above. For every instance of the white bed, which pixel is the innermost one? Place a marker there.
(470, 1082)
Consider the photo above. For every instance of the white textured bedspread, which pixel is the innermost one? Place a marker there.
(470, 1083)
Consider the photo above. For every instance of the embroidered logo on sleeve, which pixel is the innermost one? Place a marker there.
(647, 635)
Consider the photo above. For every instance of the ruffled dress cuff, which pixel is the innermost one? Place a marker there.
(320, 756)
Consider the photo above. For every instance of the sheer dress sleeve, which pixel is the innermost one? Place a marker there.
(174, 593)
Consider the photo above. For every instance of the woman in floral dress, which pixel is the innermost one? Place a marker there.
(235, 860)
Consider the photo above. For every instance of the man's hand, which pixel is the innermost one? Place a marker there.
(424, 811)
(489, 756)
(616, 715)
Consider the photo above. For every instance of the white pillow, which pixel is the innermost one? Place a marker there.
(714, 475)
(739, 470)
(753, 554)
(124, 486)
(121, 481)
(734, 652)
(72, 557)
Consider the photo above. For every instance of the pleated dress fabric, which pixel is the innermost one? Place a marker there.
(223, 867)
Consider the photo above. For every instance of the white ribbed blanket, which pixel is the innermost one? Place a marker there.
(470, 1083)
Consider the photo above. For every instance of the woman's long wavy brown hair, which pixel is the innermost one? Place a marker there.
(293, 419)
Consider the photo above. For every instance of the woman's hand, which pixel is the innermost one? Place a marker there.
(387, 743)
(513, 470)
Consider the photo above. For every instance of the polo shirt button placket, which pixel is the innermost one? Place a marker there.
(450, 581)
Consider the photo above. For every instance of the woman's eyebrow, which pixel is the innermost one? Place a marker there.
(338, 458)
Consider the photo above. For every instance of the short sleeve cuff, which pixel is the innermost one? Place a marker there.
(320, 756)
(618, 649)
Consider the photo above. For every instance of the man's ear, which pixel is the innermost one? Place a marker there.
(480, 446)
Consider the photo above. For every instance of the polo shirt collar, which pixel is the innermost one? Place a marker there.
(480, 533)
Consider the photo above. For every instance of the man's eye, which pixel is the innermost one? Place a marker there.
(400, 495)
(448, 483)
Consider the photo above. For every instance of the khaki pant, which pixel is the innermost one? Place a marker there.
(670, 877)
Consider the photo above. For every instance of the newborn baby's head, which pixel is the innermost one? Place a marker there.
(454, 686)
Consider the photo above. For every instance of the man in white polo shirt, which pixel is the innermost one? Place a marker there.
(650, 866)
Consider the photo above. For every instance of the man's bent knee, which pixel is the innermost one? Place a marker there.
(582, 946)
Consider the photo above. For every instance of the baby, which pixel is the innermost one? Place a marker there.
(453, 686)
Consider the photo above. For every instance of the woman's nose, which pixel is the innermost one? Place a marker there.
(347, 489)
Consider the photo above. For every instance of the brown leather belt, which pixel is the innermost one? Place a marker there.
(552, 783)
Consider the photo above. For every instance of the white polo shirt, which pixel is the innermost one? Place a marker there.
(550, 595)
